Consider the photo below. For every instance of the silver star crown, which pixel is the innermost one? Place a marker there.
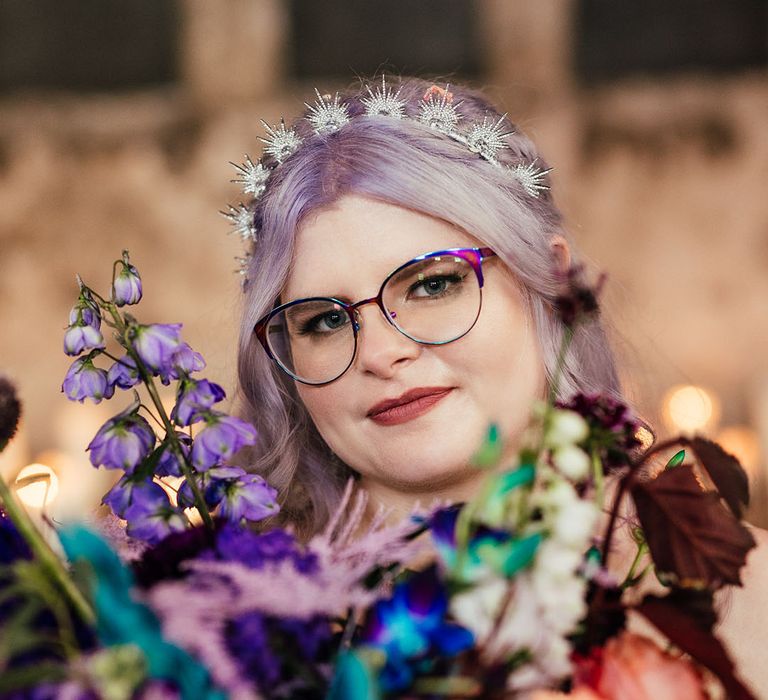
(281, 142)
(487, 138)
(531, 177)
(252, 176)
(383, 102)
(439, 113)
(326, 116)
(436, 110)
(241, 219)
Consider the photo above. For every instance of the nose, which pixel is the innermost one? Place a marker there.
(381, 348)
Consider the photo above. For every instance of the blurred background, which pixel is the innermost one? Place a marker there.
(118, 119)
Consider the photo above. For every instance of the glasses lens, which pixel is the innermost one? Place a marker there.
(313, 340)
(436, 300)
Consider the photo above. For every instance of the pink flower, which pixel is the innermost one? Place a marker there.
(632, 667)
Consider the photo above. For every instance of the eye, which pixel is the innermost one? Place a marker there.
(325, 323)
(435, 286)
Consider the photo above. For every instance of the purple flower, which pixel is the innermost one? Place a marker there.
(123, 373)
(222, 437)
(612, 427)
(85, 313)
(248, 497)
(82, 337)
(577, 300)
(156, 345)
(256, 550)
(151, 520)
(168, 464)
(122, 442)
(186, 360)
(129, 491)
(194, 398)
(84, 381)
(126, 288)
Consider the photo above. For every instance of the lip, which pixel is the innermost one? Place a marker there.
(407, 406)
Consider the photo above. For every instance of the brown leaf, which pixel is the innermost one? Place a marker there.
(726, 473)
(689, 531)
(693, 638)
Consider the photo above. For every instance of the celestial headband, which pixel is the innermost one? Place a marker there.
(436, 110)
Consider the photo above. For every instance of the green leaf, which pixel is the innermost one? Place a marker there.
(676, 460)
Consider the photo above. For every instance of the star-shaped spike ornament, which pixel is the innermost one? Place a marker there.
(251, 176)
(487, 139)
(241, 219)
(281, 142)
(326, 116)
(383, 101)
(438, 110)
(531, 177)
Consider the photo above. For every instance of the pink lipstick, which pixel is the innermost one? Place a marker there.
(408, 406)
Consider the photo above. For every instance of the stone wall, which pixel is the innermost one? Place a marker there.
(662, 183)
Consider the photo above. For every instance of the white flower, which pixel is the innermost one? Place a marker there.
(567, 428)
(575, 523)
(572, 462)
(557, 495)
(556, 561)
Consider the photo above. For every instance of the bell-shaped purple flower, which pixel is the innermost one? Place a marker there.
(129, 490)
(168, 464)
(126, 289)
(222, 437)
(185, 360)
(248, 497)
(82, 337)
(156, 344)
(123, 442)
(194, 398)
(85, 381)
(123, 373)
(152, 520)
(85, 313)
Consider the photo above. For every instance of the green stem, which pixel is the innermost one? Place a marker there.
(642, 549)
(49, 562)
(598, 477)
(170, 431)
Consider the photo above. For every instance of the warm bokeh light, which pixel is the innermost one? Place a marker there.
(690, 409)
(743, 443)
(37, 486)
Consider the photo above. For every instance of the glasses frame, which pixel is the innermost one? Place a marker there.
(474, 256)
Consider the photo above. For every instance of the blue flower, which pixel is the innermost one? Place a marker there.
(194, 398)
(222, 437)
(123, 373)
(156, 344)
(85, 381)
(126, 288)
(410, 625)
(129, 490)
(123, 442)
(81, 337)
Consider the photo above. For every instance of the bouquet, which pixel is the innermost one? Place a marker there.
(188, 592)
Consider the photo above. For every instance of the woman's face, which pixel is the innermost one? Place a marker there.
(492, 374)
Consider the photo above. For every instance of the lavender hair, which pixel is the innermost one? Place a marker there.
(410, 165)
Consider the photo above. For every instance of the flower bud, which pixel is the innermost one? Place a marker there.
(126, 289)
(84, 381)
(80, 338)
(572, 462)
(567, 428)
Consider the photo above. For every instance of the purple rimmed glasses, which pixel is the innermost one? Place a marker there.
(433, 299)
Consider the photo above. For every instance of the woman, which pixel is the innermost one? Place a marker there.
(359, 201)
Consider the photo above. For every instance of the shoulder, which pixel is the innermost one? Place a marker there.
(744, 617)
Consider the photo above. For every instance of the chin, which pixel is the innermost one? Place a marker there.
(437, 476)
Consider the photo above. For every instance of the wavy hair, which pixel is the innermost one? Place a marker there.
(404, 163)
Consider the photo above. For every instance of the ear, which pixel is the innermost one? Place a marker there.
(562, 252)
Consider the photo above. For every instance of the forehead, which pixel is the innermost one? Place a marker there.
(349, 248)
